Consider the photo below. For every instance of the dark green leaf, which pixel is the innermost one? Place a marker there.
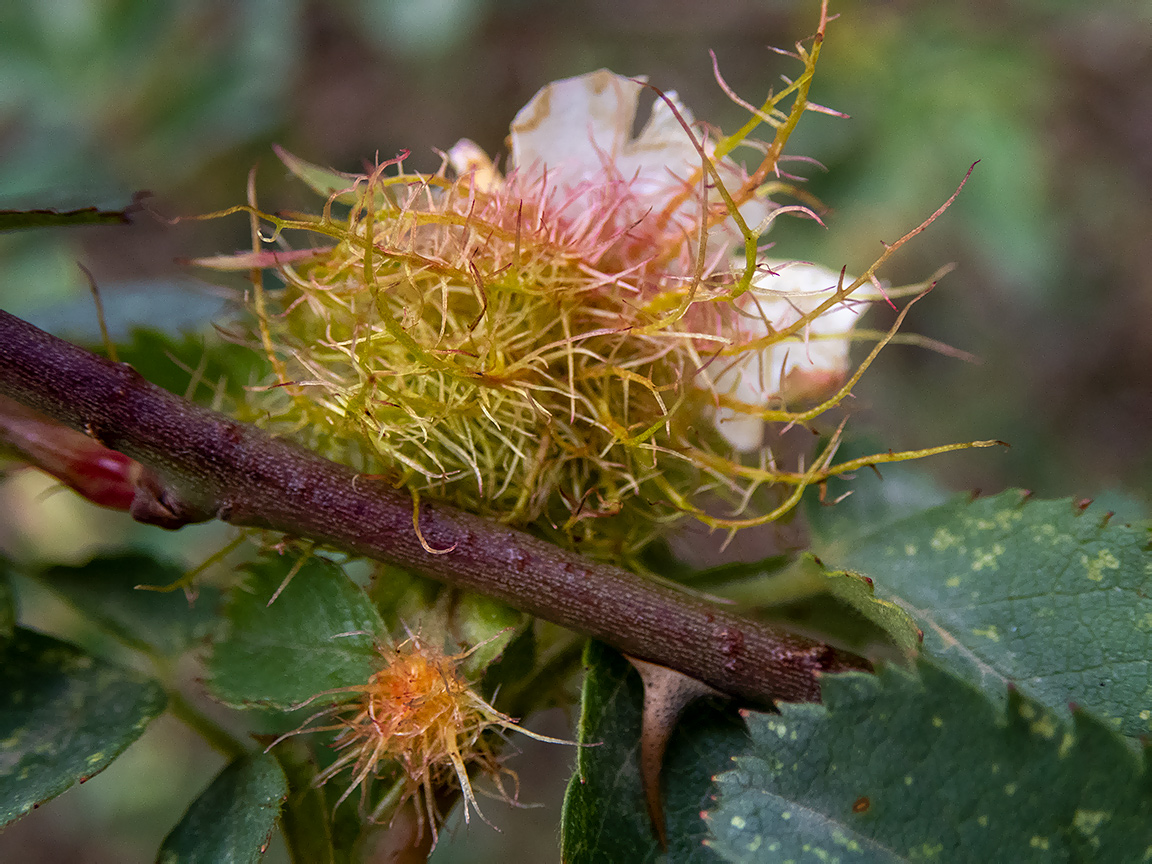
(104, 589)
(1042, 594)
(832, 606)
(319, 634)
(64, 716)
(896, 768)
(232, 820)
(7, 604)
(604, 815)
(16, 220)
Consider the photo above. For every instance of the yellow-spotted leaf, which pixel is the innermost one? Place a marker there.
(64, 717)
(1051, 597)
(899, 767)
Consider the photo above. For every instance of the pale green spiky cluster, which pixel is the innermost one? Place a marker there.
(473, 339)
(475, 354)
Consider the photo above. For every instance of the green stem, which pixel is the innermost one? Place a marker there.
(220, 739)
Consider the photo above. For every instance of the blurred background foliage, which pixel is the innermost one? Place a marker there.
(100, 99)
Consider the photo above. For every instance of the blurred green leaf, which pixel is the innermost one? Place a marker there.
(1041, 594)
(233, 819)
(447, 618)
(172, 362)
(842, 608)
(64, 717)
(870, 499)
(939, 81)
(174, 306)
(605, 818)
(334, 184)
(81, 81)
(830, 605)
(402, 598)
(660, 559)
(17, 220)
(323, 181)
(7, 604)
(897, 768)
(319, 634)
(487, 625)
(104, 590)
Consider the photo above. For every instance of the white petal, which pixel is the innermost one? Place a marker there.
(579, 130)
(807, 364)
(574, 127)
(466, 157)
